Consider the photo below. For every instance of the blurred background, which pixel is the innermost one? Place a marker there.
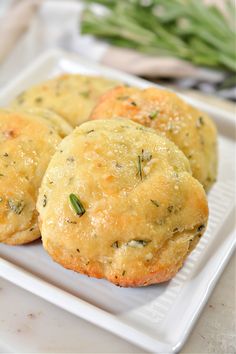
(185, 44)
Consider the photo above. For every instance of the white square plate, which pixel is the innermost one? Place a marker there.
(158, 318)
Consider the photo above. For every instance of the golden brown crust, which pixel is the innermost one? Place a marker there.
(191, 130)
(71, 96)
(143, 209)
(26, 145)
(170, 260)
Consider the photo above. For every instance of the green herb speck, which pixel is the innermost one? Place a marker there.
(38, 100)
(122, 98)
(155, 203)
(153, 115)
(70, 221)
(170, 208)
(85, 94)
(16, 206)
(44, 200)
(200, 122)
(76, 204)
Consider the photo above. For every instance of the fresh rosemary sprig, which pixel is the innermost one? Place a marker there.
(187, 29)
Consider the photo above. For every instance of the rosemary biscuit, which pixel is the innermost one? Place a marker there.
(191, 130)
(72, 96)
(26, 146)
(121, 204)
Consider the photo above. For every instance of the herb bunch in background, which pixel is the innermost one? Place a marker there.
(186, 29)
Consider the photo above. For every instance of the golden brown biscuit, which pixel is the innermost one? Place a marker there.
(191, 130)
(71, 96)
(26, 146)
(121, 204)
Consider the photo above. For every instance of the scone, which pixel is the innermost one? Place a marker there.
(191, 130)
(71, 96)
(121, 204)
(26, 146)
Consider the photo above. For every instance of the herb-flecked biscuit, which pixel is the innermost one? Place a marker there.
(121, 204)
(26, 146)
(72, 96)
(191, 130)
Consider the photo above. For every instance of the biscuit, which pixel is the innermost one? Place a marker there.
(26, 146)
(121, 204)
(71, 96)
(191, 130)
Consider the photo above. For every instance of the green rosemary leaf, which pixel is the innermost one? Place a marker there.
(16, 206)
(44, 200)
(76, 204)
(38, 99)
(153, 115)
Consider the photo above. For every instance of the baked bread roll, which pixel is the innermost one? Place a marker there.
(71, 96)
(191, 130)
(26, 146)
(121, 204)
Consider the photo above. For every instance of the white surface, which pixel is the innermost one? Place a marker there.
(142, 315)
(29, 324)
